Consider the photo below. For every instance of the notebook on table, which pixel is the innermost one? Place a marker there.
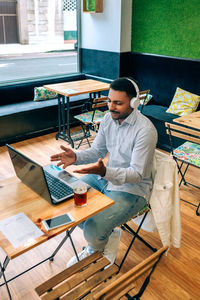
(50, 182)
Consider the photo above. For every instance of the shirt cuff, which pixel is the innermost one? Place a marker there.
(77, 158)
(109, 174)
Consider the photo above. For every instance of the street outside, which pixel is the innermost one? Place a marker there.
(18, 62)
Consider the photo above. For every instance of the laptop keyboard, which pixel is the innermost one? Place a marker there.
(57, 188)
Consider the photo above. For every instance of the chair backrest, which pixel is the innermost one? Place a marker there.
(182, 132)
(143, 95)
(103, 101)
(122, 285)
(99, 102)
(89, 279)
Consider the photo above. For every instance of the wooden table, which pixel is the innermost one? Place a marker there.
(15, 197)
(191, 120)
(65, 91)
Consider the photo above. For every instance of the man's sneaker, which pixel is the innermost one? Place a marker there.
(110, 251)
(83, 254)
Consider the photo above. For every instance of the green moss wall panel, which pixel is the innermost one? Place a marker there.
(166, 27)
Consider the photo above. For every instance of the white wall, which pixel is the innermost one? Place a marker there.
(110, 30)
(126, 25)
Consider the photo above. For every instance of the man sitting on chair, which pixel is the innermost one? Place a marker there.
(130, 139)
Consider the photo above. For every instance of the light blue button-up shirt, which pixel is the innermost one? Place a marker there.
(131, 147)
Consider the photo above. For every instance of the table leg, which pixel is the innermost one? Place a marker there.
(7, 260)
(63, 120)
(59, 116)
(68, 235)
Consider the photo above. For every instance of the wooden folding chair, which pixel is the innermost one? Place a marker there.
(94, 278)
(90, 120)
(188, 154)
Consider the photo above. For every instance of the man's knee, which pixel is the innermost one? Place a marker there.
(93, 231)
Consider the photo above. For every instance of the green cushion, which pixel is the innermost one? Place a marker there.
(87, 116)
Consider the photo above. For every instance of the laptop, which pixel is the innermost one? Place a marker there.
(50, 182)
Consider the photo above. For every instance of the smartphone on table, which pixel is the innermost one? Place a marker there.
(58, 221)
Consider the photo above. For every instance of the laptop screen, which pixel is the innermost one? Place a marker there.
(29, 172)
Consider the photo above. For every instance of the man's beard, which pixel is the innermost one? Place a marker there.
(118, 115)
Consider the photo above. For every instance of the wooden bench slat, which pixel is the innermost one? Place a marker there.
(104, 284)
(119, 295)
(184, 136)
(126, 290)
(132, 274)
(99, 104)
(100, 99)
(144, 92)
(53, 281)
(76, 279)
(91, 283)
(91, 280)
(182, 128)
(124, 286)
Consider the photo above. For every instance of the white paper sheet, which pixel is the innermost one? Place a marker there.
(69, 91)
(19, 229)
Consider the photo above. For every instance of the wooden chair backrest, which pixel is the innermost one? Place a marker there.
(88, 279)
(99, 102)
(143, 94)
(103, 101)
(183, 132)
(122, 284)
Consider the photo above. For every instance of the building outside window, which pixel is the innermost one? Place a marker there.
(38, 38)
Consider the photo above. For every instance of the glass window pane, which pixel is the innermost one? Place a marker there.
(41, 40)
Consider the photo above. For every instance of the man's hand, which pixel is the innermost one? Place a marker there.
(98, 169)
(66, 158)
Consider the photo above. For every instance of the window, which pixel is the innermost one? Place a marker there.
(38, 38)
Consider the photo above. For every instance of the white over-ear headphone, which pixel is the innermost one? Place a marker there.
(135, 101)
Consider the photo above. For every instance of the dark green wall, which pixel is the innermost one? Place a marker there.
(167, 27)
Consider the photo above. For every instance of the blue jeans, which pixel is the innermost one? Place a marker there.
(98, 228)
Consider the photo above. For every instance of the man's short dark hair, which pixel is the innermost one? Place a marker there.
(122, 84)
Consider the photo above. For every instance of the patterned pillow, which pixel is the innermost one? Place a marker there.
(41, 93)
(183, 103)
(189, 152)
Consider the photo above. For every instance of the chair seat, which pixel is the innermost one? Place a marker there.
(188, 152)
(78, 280)
(93, 278)
(87, 116)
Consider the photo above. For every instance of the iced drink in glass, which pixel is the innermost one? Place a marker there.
(80, 195)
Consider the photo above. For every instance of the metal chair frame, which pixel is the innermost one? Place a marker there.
(188, 134)
(135, 234)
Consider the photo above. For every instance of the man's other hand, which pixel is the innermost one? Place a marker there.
(66, 158)
(98, 169)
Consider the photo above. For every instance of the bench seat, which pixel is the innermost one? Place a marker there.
(28, 118)
(158, 116)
